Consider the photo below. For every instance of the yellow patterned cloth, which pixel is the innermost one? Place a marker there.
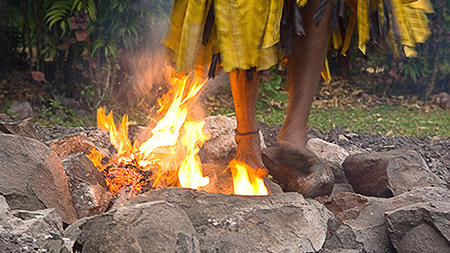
(246, 33)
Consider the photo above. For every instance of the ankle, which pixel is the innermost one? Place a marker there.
(299, 144)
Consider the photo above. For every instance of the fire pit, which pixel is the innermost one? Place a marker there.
(169, 157)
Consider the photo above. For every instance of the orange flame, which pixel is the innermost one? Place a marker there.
(171, 151)
(96, 157)
(117, 137)
(170, 156)
(245, 182)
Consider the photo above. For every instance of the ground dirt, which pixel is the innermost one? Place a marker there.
(435, 151)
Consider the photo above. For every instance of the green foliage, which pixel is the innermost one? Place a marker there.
(270, 91)
(56, 113)
(384, 119)
(88, 95)
(58, 12)
(428, 73)
(431, 68)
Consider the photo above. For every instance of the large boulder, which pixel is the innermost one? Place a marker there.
(306, 174)
(89, 192)
(32, 177)
(421, 227)
(334, 155)
(171, 219)
(155, 226)
(326, 150)
(29, 231)
(82, 142)
(387, 174)
(362, 224)
(221, 147)
(284, 222)
(22, 128)
(362, 219)
(21, 109)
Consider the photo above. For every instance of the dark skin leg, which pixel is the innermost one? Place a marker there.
(304, 67)
(244, 92)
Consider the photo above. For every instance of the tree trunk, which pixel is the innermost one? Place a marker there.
(28, 38)
(432, 82)
(37, 9)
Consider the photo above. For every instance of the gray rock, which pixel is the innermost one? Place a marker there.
(308, 175)
(22, 128)
(59, 116)
(421, 194)
(421, 227)
(446, 160)
(21, 109)
(5, 117)
(29, 231)
(366, 232)
(362, 220)
(3, 205)
(333, 154)
(344, 205)
(221, 181)
(147, 227)
(32, 177)
(338, 172)
(341, 187)
(68, 102)
(442, 100)
(327, 151)
(387, 174)
(82, 142)
(221, 147)
(284, 222)
(340, 251)
(89, 192)
(49, 133)
(318, 183)
(81, 112)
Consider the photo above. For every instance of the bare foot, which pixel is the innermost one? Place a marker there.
(249, 152)
(289, 165)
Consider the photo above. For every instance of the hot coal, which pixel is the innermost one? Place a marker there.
(128, 179)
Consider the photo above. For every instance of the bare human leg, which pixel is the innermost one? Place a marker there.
(304, 67)
(244, 92)
(291, 164)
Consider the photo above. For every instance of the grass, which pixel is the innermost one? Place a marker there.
(383, 119)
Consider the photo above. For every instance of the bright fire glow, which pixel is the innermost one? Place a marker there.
(96, 157)
(170, 156)
(245, 182)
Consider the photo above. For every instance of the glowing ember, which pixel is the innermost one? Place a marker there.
(245, 181)
(170, 156)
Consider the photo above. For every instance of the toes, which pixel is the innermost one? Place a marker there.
(288, 166)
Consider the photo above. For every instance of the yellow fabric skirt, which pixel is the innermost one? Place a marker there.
(246, 33)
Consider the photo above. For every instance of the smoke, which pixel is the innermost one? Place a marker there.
(142, 79)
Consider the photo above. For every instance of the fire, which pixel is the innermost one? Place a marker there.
(170, 156)
(245, 181)
(96, 157)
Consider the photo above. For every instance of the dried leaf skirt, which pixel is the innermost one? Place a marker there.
(245, 34)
